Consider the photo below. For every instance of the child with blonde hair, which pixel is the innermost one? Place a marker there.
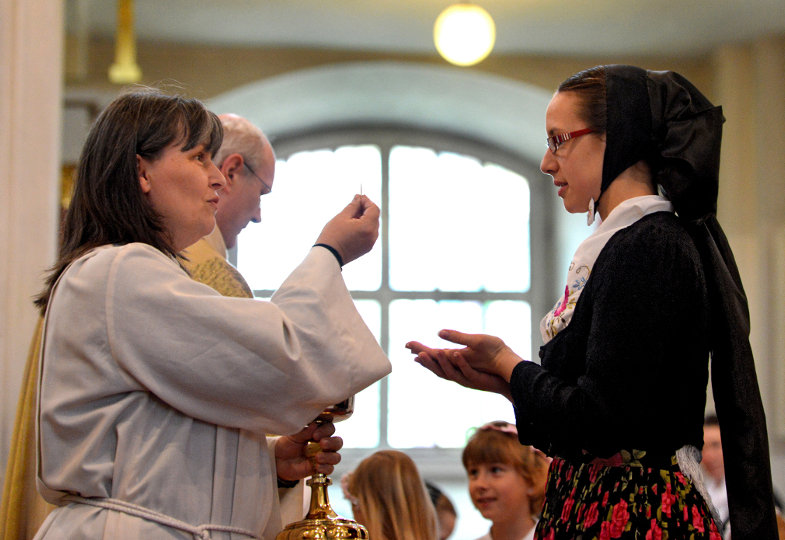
(506, 481)
(389, 498)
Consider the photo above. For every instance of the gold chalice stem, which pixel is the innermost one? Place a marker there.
(321, 522)
(320, 502)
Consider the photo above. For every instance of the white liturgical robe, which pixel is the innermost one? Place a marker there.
(156, 393)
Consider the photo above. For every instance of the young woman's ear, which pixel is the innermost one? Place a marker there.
(141, 172)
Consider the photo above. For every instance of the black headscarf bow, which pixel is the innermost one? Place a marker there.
(660, 117)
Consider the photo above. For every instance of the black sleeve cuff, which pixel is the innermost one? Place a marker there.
(287, 484)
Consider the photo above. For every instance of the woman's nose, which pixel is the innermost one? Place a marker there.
(217, 180)
(549, 164)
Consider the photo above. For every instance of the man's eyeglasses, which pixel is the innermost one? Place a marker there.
(269, 189)
(557, 140)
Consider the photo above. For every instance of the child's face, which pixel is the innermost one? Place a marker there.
(498, 491)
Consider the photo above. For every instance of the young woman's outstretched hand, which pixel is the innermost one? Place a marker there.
(485, 363)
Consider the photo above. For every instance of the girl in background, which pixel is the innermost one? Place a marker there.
(506, 481)
(389, 498)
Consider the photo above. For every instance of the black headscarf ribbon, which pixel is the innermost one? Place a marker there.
(660, 117)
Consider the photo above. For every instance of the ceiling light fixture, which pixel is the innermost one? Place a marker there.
(464, 34)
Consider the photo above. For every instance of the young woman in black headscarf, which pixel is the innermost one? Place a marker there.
(618, 399)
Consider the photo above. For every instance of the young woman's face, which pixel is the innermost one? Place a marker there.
(576, 167)
(182, 187)
(498, 491)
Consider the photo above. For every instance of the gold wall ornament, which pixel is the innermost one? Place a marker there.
(464, 34)
(321, 522)
(125, 69)
(67, 173)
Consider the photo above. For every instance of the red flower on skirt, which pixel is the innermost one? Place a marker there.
(668, 498)
(682, 479)
(591, 515)
(594, 471)
(567, 509)
(620, 518)
(655, 533)
(697, 520)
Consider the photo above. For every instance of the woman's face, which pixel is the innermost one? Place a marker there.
(498, 491)
(576, 167)
(182, 187)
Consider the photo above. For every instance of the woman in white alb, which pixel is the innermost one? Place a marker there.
(156, 392)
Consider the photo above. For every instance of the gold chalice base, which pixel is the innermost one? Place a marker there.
(323, 529)
(322, 523)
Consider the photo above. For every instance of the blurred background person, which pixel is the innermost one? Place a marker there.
(506, 481)
(446, 515)
(390, 499)
(714, 472)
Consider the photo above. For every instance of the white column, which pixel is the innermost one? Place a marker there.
(31, 49)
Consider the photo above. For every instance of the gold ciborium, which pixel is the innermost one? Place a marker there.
(321, 522)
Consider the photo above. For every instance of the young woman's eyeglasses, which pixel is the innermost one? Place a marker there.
(557, 140)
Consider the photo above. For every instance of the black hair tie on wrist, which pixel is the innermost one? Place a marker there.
(333, 251)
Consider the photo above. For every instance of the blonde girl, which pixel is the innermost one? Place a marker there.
(389, 497)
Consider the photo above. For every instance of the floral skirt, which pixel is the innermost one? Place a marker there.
(622, 497)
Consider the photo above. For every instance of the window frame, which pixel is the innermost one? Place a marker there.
(437, 463)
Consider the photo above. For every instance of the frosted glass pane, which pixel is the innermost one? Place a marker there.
(469, 221)
(425, 411)
(361, 430)
(310, 188)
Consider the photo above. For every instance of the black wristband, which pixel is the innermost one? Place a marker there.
(287, 484)
(333, 251)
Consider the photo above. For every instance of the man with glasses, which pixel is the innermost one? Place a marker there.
(247, 161)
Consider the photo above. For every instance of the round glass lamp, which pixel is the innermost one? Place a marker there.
(464, 34)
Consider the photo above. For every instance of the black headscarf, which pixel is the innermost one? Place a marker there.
(660, 117)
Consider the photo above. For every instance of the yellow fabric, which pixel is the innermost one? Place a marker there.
(206, 262)
(23, 510)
